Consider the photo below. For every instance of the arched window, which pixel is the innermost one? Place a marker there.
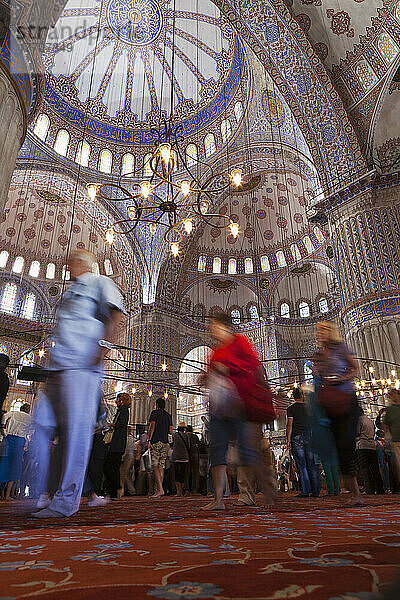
(83, 153)
(295, 252)
(236, 316)
(51, 271)
(108, 267)
(42, 127)
(201, 265)
(8, 298)
(308, 244)
(27, 360)
(265, 266)
(3, 258)
(16, 404)
(226, 130)
(307, 369)
(217, 265)
(323, 305)
(285, 310)
(61, 143)
(238, 111)
(209, 145)
(34, 269)
(232, 266)
(65, 274)
(147, 172)
(248, 265)
(253, 312)
(29, 306)
(128, 164)
(105, 161)
(319, 235)
(304, 309)
(191, 155)
(95, 269)
(281, 259)
(18, 264)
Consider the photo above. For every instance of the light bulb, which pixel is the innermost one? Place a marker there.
(397, 384)
(164, 366)
(145, 188)
(131, 212)
(165, 152)
(389, 381)
(185, 187)
(236, 177)
(393, 373)
(153, 228)
(166, 395)
(110, 236)
(203, 207)
(234, 227)
(188, 226)
(371, 369)
(134, 390)
(174, 249)
(373, 381)
(295, 385)
(150, 393)
(41, 352)
(92, 191)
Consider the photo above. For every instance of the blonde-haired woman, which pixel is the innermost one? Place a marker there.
(335, 369)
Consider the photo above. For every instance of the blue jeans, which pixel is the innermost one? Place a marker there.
(310, 481)
(223, 431)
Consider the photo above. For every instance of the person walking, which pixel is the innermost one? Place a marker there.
(88, 316)
(16, 425)
(180, 457)
(367, 455)
(335, 368)
(391, 421)
(160, 426)
(193, 473)
(298, 441)
(127, 468)
(117, 446)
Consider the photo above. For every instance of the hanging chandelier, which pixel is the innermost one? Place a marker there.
(165, 200)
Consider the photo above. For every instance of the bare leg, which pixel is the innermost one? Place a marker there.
(8, 490)
(352, 485)
(218, 476)
(179, 488)
(159, 475)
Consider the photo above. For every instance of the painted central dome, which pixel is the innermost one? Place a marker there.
(114, 66)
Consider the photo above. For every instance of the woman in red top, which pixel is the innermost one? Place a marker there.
(234, 372)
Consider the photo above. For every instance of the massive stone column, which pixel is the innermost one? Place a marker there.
(364, 224)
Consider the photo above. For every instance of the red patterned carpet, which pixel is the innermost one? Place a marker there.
(169, 549)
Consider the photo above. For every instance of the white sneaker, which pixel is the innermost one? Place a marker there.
(43, 502)
(98, 501)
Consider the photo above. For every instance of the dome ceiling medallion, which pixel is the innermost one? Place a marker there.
(116, 84)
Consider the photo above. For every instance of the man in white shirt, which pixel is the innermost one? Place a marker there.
(17, 425)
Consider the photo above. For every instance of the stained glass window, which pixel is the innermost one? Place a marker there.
(16, 404)
(3, 349)
(18, 264)
(295, 252)
(236, 317)
(281, 259)
(323, 305)
(253, 312)
(365, 74)
(128, 164)
(248, 265)
(304, 309)
(65, 274)
(95, 269)
(8, 297)
(265, 266)
(308, 244)
(108, 267)
(34, 269)
(61, 143)
(307, 371)
(105, 161)
(226, 130)
(201, 265)
(147, 172)
(191, 155)
(217, 265)
(387, 47)
(285, 310)
(238, 111)
(51, 271)
(3, 258)
(319, 235)
(209, 144)
(232, 266)
(42, 126)
(29, 306)
(83, 154)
